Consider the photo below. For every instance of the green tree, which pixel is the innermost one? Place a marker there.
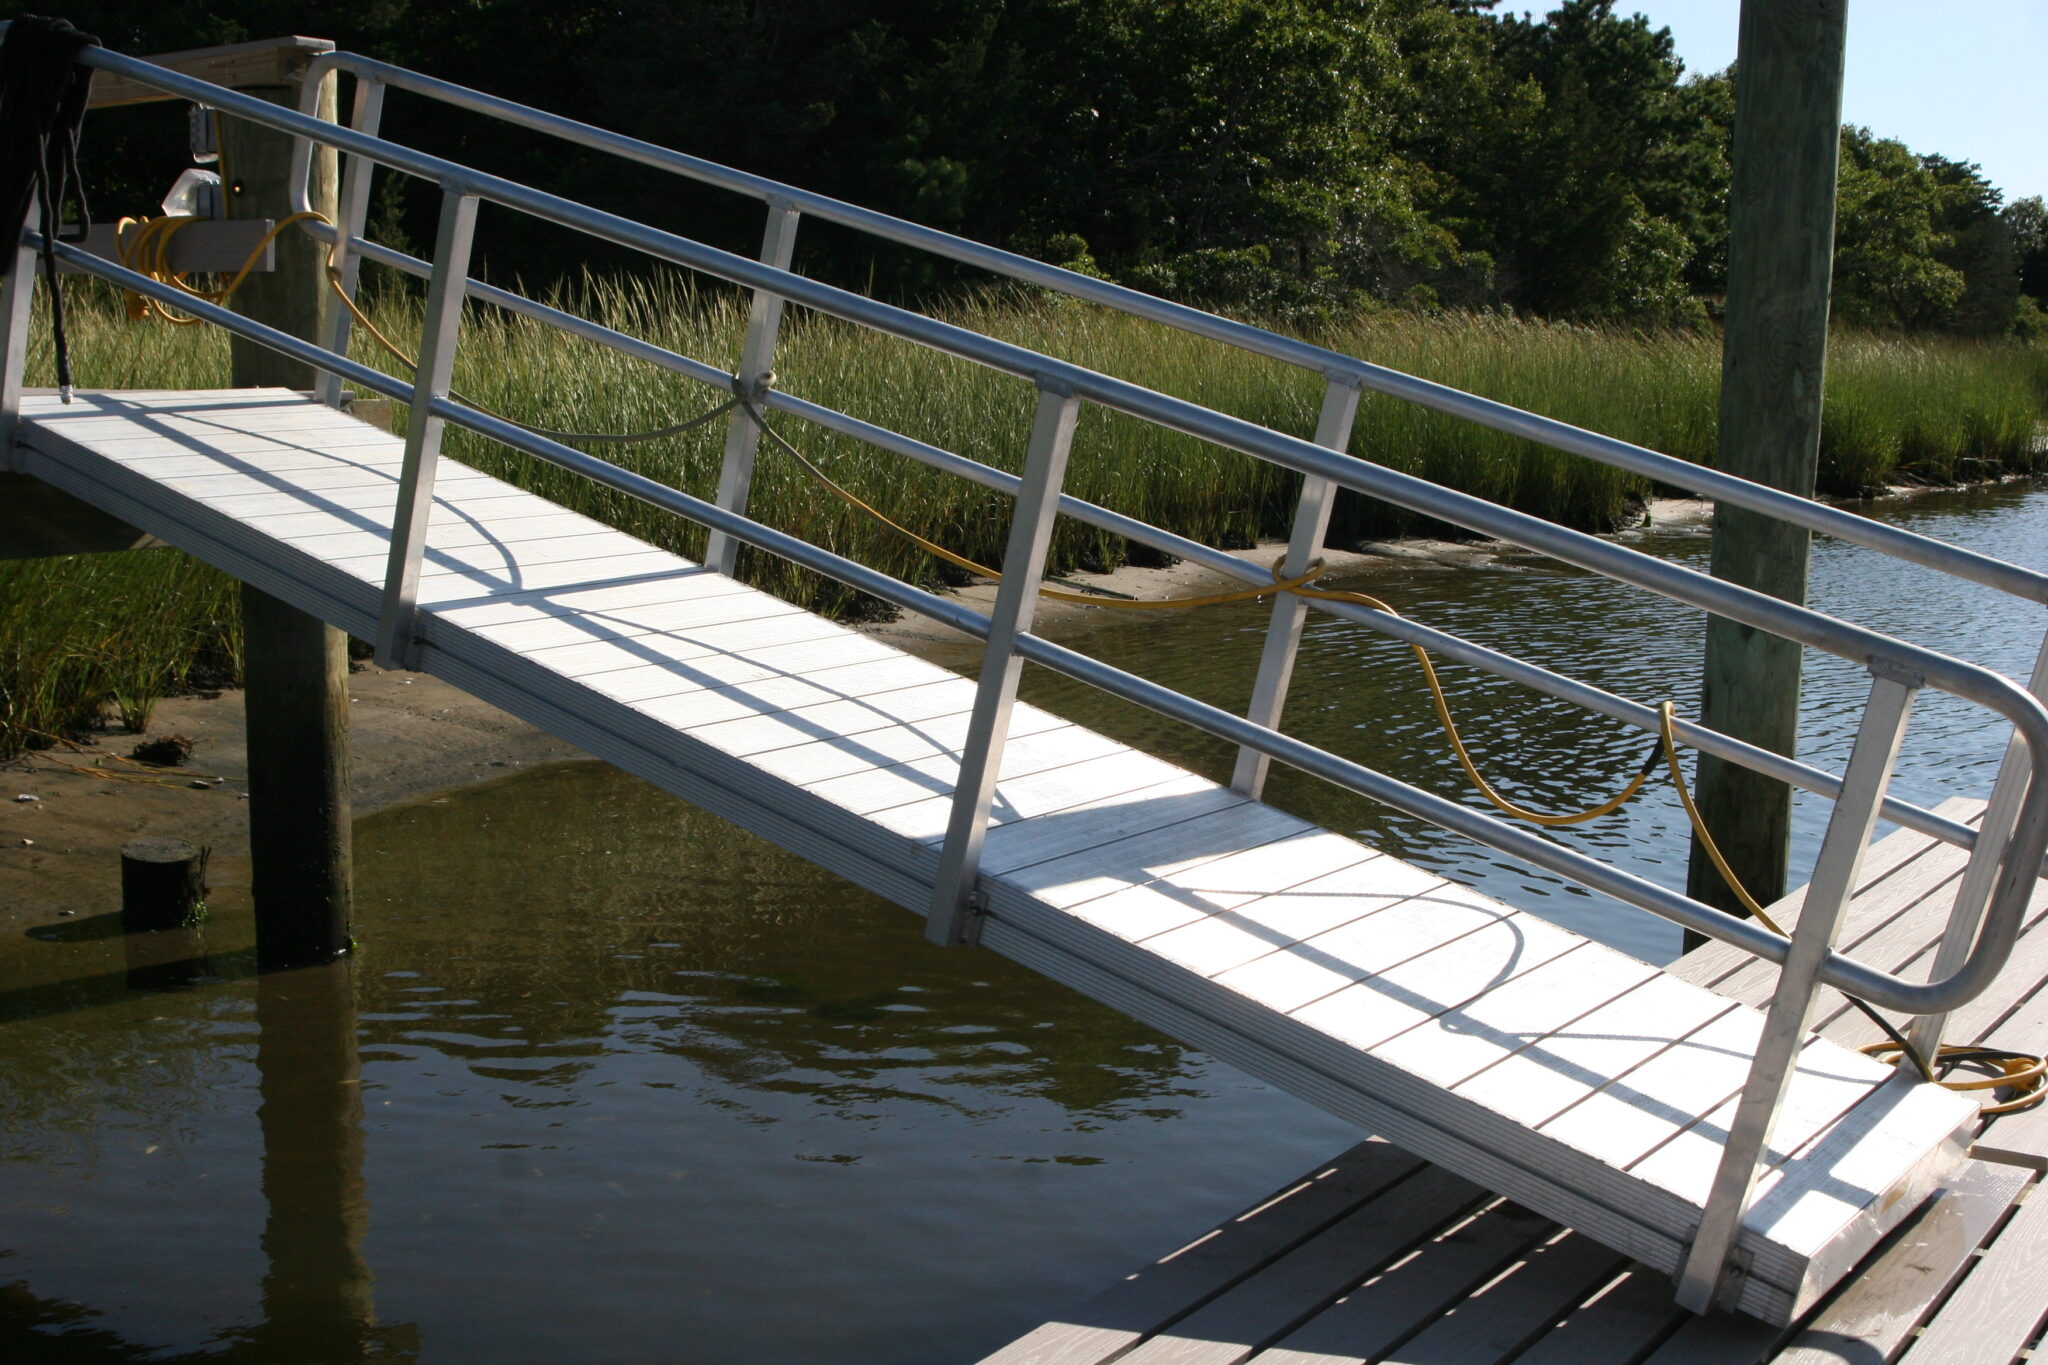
(1573, 183)
(1893, 229)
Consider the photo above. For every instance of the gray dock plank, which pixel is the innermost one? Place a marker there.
(1142, 1304)
(1997, 1311)
(1509, 1313)
(1234, 1325)
(1390, 1308)
(1620, 1323)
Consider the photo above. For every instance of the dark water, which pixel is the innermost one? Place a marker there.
(609, 1080)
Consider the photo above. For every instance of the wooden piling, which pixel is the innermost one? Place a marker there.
(255, 166)
(296, 704)
(163, 885)
(1788, 113)
(296, 666)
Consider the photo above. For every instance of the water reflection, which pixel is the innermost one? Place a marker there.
(316, 1306)
(611, 1075)
(166, 959)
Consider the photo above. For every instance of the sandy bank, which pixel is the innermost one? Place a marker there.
(411, 736)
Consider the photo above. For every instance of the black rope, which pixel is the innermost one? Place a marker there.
(42, 106)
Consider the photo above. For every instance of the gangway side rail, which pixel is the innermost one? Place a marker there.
(1664, 469)
(1840, 971)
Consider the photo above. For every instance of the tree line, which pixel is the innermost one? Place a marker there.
(1288, 159)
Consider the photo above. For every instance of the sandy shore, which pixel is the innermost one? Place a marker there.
(411, 736)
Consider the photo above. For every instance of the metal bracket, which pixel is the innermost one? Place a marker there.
(966, 926)
(977, 915)
(1895, 672)
(1727, 1292)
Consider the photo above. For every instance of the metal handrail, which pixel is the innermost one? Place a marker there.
(1665, 469)
(1841, 971)
(1754, 757)
(1987, 688)
(1286, 349)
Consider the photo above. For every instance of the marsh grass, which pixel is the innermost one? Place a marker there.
(77, 634)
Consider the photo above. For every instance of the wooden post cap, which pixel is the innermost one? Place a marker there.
(163, 885)
(158, 850)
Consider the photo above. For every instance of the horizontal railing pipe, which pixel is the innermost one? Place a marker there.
(284, 343)
(851, 572)
(1024, 269)
(1748, 607)
(1401, 628)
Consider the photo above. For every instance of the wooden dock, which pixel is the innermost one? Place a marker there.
(1378, 1256)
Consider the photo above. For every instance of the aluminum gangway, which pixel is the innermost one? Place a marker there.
(1709, 1139)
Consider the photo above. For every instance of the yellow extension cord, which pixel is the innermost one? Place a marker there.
(148, 254)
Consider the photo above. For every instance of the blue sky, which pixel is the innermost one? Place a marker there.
(1965, 78)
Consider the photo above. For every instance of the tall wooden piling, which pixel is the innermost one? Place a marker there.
(1788, 113)
(296, 704)
(255, 166)
(296, 665)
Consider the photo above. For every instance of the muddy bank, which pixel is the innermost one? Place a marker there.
(411, 737)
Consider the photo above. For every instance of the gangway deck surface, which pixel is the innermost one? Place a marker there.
(1376, 1257)
(1556, 1072)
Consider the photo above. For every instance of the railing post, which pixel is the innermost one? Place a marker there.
(1995, 831)
(396, 645)
(757, 356)
(1283, 631)
(953, 919)
(1705, 1283)
(351, 213)
(17, 301)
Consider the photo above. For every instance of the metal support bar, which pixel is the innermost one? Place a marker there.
(351, 213)
(396, 647)
(1283, 631)
(1045, 467)
(1974, 894)
(757, 355)
(1704, 1283)
(17, 303)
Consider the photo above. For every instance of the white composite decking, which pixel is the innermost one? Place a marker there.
(1556, 1072)
(1377, 1257)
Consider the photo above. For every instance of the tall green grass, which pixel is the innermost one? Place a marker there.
(83, 635)
(1917, 410)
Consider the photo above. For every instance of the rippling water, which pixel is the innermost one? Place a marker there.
(609, 1080)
